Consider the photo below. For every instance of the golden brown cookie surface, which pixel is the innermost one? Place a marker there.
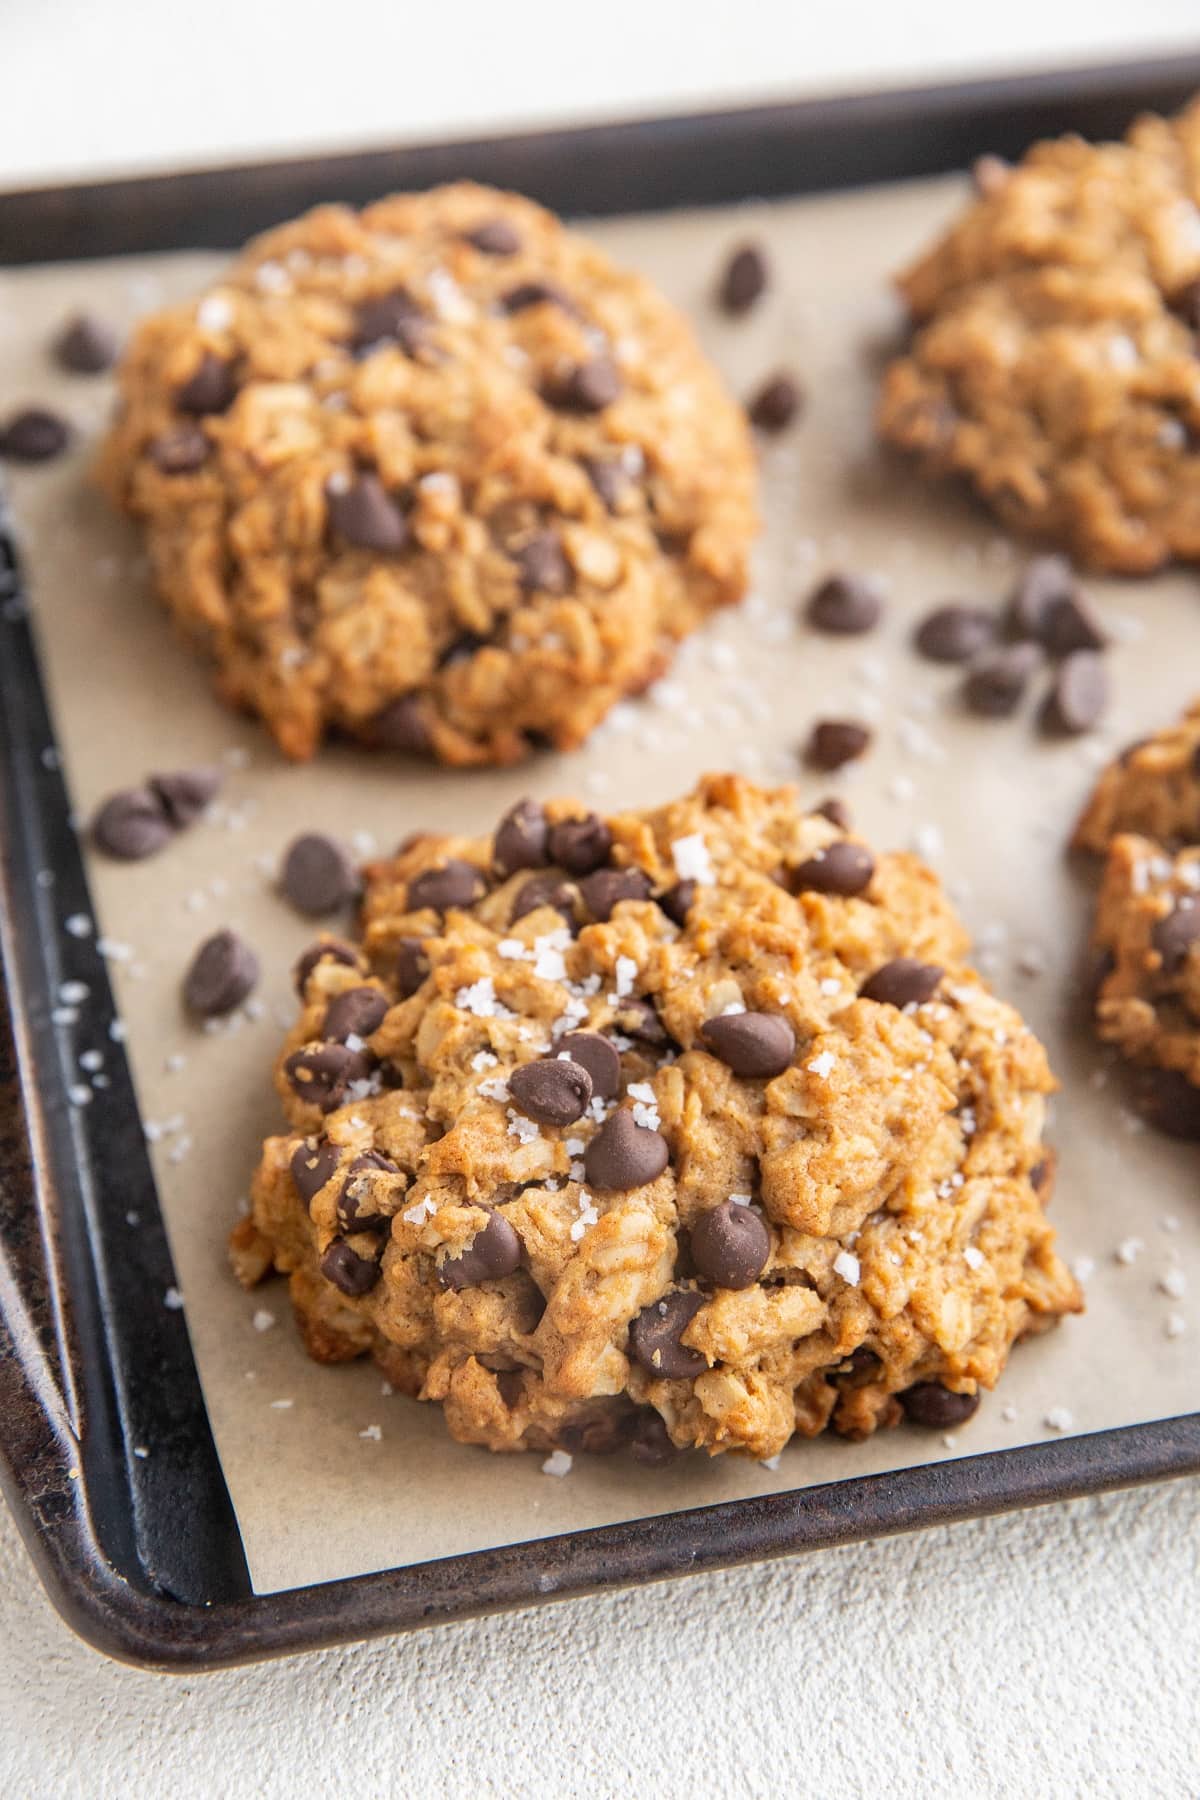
(1152, 789)
(688, 1124)
(437, 475)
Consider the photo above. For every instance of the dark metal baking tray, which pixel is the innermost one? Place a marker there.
(142, 1555)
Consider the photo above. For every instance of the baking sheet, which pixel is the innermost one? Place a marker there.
(330, 1475)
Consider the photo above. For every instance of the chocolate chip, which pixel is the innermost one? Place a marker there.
(845, 605)
(610, 479)
(1070, 624)
(744, 278)
(317, 874)
(456, 883)
(775, 404)
(638, 1019)
(387, 318)
(598, 1435)
(605, 888)
(327, 949)
(545, 890)
(322, 1076)
(624, 1154)
(1186, 302)
(599, 1056)
(861, 1365)
(930, 1404)
(210, 390)
(756, 1045)
(462, 650)
(580, 845)
(185, 793)
(1040, 1174)
(180, 452)
(588, 388)
(1047, 581)
(837, 812)
(520, 839)
(840, 868)
(1078, 698)
(349, 1272)
(86, 345)
(996, 682)
(33, 436)
(132, 824)
(312, 1166)
(677, 902)
(412, 965)
(1174, 935)
(730, 1245)
(551, 1091)
(353, 1198)
(400, 725)
(221, 974)
(541, 566)
(1168, 1101)
(955, 634)
(989, 174)
(365, 515)
(903, 982)
(651, 1443)
(536, 293)
(495, 237)
(494, 1251)
(655, 1333)
(834, 742)
(356, 1012)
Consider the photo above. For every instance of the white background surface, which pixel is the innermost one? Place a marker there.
(1050, 1653)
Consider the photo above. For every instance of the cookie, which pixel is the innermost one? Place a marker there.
(1053, 362)
(680, 1128)
(436, 475)
(1152, 789)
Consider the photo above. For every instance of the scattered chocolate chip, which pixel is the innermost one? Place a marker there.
(185, 793)
(840, 868)
(730, 1245)
(605, 888)
(588, 388)
(638, 1019)
(955, 634)
(456, 883)
(33, 436)
(536, 293)
(349, 1272)
(220, 975)
(495, 237)
(327, 949)
(545, 890)
(494, 1251)
(1070, 623)
(835, 742)
(677, 902)
(837, 812)
(996, 682)
(580, 845)
(210, 390)
(401, 725)
(1174, 935)
(552, 1091)
(651, 1443)
(132, 824)
(755, 1045)
(356, 1012)
(655, 1333)
(1047, 581)
(930, 1404)
(365, 515)
(351, 1199)
(775, 404)
(412, 965)
(610, 479)
(1079, 695)
(903, 982)
(541, 566)
(388, 318)
(180, 452)
(322, 1076)
(317, 874)
(520, 839)
(599, 1056)
(312, 1166)
(744, 278)
(624, 1154)
(86, 345)
(1168, 1101)
(989, 174)
(845, 605)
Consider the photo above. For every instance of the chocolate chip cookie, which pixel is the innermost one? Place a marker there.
(1152, 789)
(436, 475)
(1054, 362)
(680, 1128)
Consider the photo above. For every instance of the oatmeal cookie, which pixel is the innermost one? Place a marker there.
(1152, 790)
(684, 1128)
(436, 475)
(1054, 360)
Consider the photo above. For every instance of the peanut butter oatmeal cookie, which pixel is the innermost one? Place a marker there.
(680, 1128)
(1055, 358)
(436, 475)
(1152, 789)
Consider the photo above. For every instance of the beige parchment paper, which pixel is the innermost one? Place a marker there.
(330, 1475)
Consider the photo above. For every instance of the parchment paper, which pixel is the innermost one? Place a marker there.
(330, 1475)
